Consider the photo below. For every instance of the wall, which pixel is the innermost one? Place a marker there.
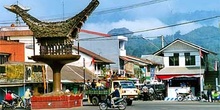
(14, 48)
(107, 47)
(28, 46)
(181, 49)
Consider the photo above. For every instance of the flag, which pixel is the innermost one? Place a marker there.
(92, 62)
(200, 53)
(216, 66)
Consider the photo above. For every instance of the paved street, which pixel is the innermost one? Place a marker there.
(157, 105)
(164, 105)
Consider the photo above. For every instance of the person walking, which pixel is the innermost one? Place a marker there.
(27, 97)
(209, 93)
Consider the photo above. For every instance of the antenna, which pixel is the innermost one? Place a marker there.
(63, 8)
(17, 16)
(17, 21)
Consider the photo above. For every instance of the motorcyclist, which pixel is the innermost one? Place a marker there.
(145, 92)
(8, 97)
(115, 95)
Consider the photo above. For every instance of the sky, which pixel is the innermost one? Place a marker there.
(139, 17)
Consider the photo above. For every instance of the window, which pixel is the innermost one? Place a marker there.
(189, 59)
(3, 58)
(174, 60)
(2, 69)
(127, 84)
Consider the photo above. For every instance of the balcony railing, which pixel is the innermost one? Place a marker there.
(56, 49)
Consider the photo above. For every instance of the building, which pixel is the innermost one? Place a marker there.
(26, 46)
(113, 48)
(11, 51)
(184, 66)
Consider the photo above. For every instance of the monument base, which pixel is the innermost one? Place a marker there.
(50, 102)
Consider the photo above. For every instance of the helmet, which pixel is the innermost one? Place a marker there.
(9, 91)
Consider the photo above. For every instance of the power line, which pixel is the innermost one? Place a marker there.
(109, 10)
(130, 7)
(172, 25)
(152, 29)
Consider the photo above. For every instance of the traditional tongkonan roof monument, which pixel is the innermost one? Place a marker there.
(55, 38)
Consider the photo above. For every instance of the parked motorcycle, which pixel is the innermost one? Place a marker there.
(8, 106)
(119, 103)
(147, 94)
(159, 95)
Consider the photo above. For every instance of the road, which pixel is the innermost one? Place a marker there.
(156, 105)
(163, 105)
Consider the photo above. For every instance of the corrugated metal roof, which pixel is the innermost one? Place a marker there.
(72, 74)
(154, 58)
(136, 60)
(24, 31)
(184, 42)
(180, 70)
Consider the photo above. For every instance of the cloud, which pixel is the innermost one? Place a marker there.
(142, 26)
(184, 29)
(135, 26)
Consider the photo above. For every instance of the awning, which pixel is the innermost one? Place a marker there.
(7, 85)
(171, 76)
(176, 72)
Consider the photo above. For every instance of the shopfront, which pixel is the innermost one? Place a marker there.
(182, 79)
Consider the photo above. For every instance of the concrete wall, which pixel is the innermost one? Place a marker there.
(107, 47)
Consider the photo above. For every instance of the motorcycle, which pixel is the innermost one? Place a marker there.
(18, 102)
(27, 104)
(119, 103)
(159, 95)
(147, 95)
(7, 106)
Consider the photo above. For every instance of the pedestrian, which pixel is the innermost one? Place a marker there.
(215, 96)
(209, 93)
(27, 97)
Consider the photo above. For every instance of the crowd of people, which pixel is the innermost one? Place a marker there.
(97, 85)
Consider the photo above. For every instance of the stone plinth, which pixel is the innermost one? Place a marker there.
(50, 102)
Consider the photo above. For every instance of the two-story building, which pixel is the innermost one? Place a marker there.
(113, 48)
(184, 66)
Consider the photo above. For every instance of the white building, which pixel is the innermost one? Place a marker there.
(185, 65)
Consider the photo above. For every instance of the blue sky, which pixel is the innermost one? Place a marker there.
(135, 19)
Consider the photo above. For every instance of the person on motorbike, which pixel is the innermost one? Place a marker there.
(8, 97)
(145, 92)
(115, 95)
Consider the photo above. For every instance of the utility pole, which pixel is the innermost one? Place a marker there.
(162, 41)
(84, 72)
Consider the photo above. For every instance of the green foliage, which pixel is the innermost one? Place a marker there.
(15, 72)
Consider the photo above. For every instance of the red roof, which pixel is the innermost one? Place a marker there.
(30, 33)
